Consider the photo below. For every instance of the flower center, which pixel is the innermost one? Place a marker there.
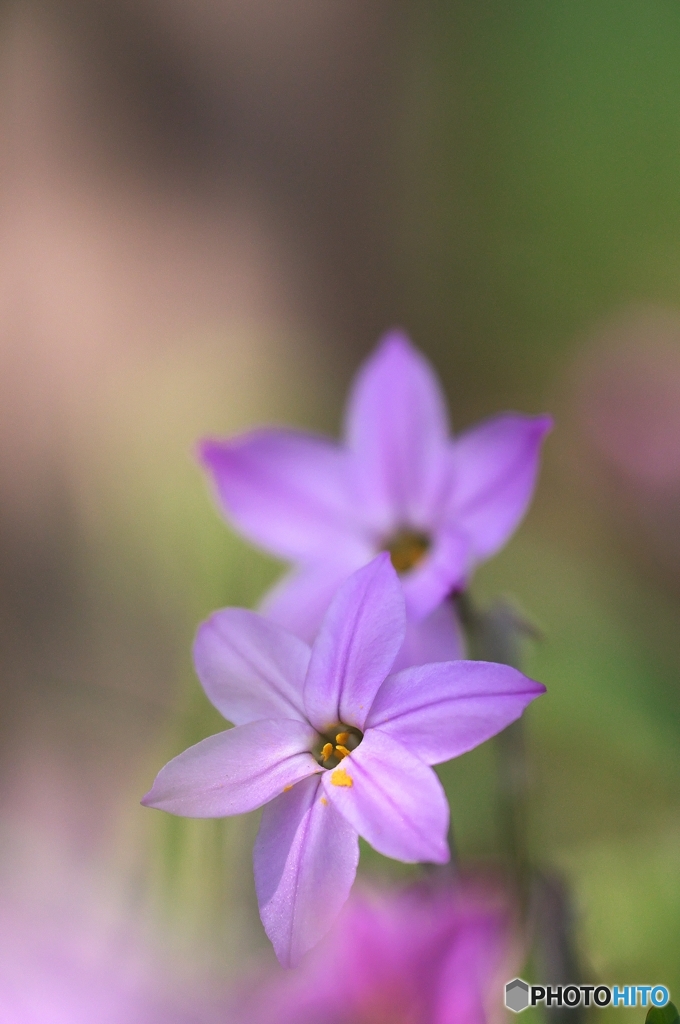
(336, 744)
(407, 548)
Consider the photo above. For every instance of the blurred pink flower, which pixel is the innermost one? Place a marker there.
(398, 484)
(628, 394)
(59, 968)
(434, 953)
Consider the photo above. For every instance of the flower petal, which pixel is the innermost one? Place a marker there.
(441, 711)
(235, 771)
(397, 430)
(495, 467)
(442, 570)
(249, 667)
(284, 490)
(469, 981)
(358, 641)
(305, 860)
(300, 600)
(392, 799)
(439, 637)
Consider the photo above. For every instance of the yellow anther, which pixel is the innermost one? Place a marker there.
(287, 789)
(327, 751)
(340, 778)
(341, 751)
(342, 737)
(407, 548)
(324, 801)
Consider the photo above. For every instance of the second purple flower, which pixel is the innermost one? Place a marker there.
(399, 483)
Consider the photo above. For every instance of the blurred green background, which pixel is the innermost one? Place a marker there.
(211, 215)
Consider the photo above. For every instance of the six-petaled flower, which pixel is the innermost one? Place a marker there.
(398, 483)
(335, 744)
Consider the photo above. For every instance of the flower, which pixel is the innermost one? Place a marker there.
(334, 744)
(398, 484)
(429, 954)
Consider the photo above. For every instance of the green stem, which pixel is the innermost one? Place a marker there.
(498, 634)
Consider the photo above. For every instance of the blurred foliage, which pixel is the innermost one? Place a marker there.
(605, 755)
(540, 194)
(540, 180)
(667, 1014)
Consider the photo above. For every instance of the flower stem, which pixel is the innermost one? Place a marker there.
(498, 634)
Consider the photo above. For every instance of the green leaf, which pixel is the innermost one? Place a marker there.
(663, 1015)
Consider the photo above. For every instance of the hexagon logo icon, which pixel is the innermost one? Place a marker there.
(517, 995)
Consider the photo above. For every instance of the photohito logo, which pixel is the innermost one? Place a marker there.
(519, 994)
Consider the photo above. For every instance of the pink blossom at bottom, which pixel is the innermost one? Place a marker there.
(433, 953)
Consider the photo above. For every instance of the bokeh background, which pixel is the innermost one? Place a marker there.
(209, 211)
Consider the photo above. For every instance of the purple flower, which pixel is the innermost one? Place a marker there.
(334, 745)
(430, 954)
(398, 484)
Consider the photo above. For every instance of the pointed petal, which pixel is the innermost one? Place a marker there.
(235, 771)
(249, 667)
(358, 641)
(495, 469)
(439, 637)
(300, 600)
(443, 710)
(305, 860)
(284, 490)
(394, 800)
(441, 571)
(397, 430)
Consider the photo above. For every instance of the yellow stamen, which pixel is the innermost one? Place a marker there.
(327, 751)
(407, 548)
(342, 737)
(341, 778)
(324, 801)
(286, 789)
(341, 751)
